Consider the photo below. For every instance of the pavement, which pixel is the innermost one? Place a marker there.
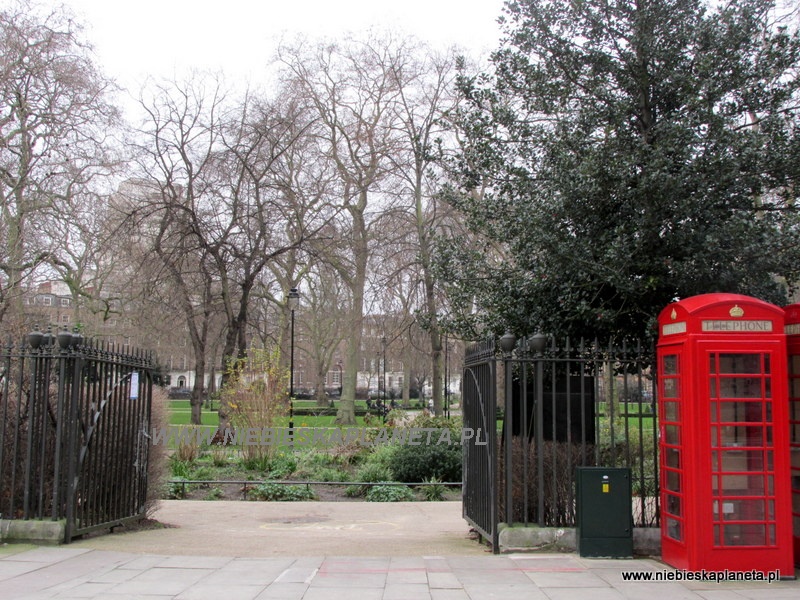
(235, 550)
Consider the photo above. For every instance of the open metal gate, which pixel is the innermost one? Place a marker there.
(563, 406)
(479, 405)
(73, 435)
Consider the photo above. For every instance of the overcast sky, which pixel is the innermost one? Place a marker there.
(138, 38)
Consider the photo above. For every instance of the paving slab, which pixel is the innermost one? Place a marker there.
(262, 529)
(330, 551)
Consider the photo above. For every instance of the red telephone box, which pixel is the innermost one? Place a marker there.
(724, 435)
(792, 313)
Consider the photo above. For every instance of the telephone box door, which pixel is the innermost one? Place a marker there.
(741, 387)
(724, 441)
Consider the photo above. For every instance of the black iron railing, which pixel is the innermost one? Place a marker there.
(73, 446)
(480, 467)
(564, 405)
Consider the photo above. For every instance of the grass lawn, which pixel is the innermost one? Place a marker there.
(180, 416)
(180, 413)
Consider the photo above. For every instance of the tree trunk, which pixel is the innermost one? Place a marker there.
(322, 376)
(346, 414)
(228, 356)
(406, 383)
(196, 401)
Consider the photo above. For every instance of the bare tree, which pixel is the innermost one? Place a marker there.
(174, 203)
(353, 90)
(427, 96)
(55, 118)
(223, 198)
(327, 304)
(279, 192)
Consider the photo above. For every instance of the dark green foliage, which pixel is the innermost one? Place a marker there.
(415, 464)
(280, 492)
(373, 472)
(274, 467)
(259, 462)
(281, 466)
(435, 491)
(180, 469)
(354, 491)
(203, 473)
(176, 489)
(389, 493)
(632, 153)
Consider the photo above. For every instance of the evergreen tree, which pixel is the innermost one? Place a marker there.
(631, 152)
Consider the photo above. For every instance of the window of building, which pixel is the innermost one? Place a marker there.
(65, 302)
(47, 300)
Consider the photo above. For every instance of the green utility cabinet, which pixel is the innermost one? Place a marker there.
(605, 522)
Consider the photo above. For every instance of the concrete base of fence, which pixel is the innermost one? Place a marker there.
(38, 532)
(647, 541)
(520, 538)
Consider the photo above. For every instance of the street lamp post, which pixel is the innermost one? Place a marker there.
(339, 366)
(383, 343)
(292, 301)
(446, 377)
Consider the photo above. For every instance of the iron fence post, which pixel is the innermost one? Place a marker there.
(539, 407)
(73, 430)
(508, 428)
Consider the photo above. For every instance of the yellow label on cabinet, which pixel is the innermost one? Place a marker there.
(605, 488)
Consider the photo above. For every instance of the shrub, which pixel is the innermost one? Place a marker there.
(176, 490)
(381, 455)
(255, 397)
(354, 491)
(412, 464)
(348, 454)
(427, 420)
(252, 461)
(310, 458)
(373, 473)
(389, 493)
(395, 417)
(219, 456)
(188, 449)
(278, 492)
(433, 492)
(330, 474)
(202, 473)
(281, 466)
(214, 493)
(180, 469)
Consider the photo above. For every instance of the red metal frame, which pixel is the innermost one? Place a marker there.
(792, 313)
(724, 435)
